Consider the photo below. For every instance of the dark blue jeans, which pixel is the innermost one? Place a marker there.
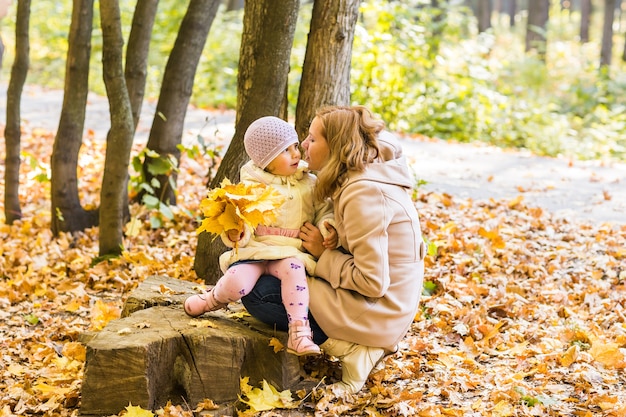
(266, 304)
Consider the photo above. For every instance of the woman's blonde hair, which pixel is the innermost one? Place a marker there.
(351, 133)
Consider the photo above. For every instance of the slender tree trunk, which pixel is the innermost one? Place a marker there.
(538, 14)
(585, 19)
(512, 10)
(484, 15)
(137, 54)
(266, 43)
(114, 195)
(12, 133)
(326, 69)
(168, 123)
(67, 211)
(606, 49)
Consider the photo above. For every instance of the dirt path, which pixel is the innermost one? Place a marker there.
(583, 190)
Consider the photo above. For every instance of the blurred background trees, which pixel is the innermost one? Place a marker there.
(541, 75)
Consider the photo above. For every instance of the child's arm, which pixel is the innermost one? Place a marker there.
(235, 238)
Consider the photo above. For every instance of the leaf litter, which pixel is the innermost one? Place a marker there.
(524, 312)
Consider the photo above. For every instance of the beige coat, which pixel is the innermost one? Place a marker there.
(299, 207)
(370, 295)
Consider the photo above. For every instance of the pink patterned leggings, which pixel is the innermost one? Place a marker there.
(239, 280)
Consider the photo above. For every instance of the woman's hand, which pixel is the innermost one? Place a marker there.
(312, 239)
(332, 240)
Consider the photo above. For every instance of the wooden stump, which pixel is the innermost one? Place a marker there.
(157, 353)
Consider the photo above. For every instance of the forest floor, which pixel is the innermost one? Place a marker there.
(524, 310)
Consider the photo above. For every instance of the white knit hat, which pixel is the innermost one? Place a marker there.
(267, 137)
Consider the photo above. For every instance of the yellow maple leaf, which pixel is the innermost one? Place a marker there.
(137, 411)
(494, 236)
(570, 356)
(206, 405)
(502, 409)
(276, 344)
(514, 202)
(607, 354)
(133, 227)
(75, 350)
(202, 323)
(73, 306)
(102, 313)
(268, 398)
(244, 385)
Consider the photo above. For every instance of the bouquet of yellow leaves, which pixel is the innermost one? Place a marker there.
(232, 206)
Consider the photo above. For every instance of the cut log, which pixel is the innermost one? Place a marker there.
(159, 290)
(157, 354)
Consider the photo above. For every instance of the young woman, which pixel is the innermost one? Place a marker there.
(366, 292)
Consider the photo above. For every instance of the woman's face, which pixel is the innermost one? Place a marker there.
(316, 151)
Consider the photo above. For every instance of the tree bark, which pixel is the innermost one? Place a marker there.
(168, 123)
(585, 19)
(538, 14)
(12, 132)
(67, 213)
(326, 68)
(266, 42)
(137, 54)
(607, 33)
(114, 195)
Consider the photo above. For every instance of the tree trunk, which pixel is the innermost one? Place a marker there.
(607, 33)
(137, 54)
(538, 14)
(232, 5)
(585, 19)
(266, 42)
(12, 132)
(326, 68)
(484, 15)
(511, 10)
(168, 123)
(114, 195)
(68, 215)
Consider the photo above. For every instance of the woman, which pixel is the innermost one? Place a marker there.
(366, 292)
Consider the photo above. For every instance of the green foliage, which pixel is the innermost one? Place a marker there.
(430, 288)
(424, 70)
(470, 87)
(156, 165)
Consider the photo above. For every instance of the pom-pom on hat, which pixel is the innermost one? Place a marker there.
(267, 137)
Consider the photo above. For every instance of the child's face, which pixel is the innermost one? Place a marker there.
(286, 163)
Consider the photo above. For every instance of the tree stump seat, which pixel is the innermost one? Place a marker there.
(156, 353)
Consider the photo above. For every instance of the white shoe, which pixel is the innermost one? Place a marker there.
(357, 361)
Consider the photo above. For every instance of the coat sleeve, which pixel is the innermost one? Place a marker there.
(365, 220)
(245, 238)
(324, 213)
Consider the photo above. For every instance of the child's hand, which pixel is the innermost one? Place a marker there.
(235, 235)
(330, 241)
